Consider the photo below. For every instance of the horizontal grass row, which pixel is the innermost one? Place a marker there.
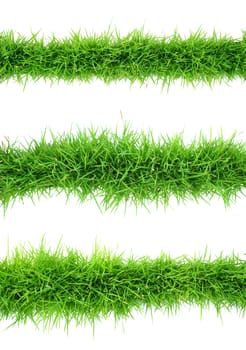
(137, 56)
(128, 167)
(48, 287)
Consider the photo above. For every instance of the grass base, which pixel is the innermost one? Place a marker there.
(49, 287)
(131, 167)
(137, 56)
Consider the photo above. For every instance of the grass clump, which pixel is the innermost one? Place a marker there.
(48, 287)
(131, 167)
(134, 57)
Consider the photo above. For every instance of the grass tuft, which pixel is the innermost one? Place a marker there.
(127, 168)
(49, 287)
(134, 57)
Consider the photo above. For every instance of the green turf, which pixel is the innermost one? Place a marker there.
(48, 287)
(130, 167)
(136, 56)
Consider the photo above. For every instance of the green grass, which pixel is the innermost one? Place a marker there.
(49, 287)
(136, 56)
(130, 167)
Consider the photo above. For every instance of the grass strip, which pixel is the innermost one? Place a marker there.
(130, 167)
(48, 287)
(135, 57)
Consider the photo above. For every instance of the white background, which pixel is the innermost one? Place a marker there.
(183, 229)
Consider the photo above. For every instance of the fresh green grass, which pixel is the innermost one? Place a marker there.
(122, 168)
(49, 287)
(136, 56)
